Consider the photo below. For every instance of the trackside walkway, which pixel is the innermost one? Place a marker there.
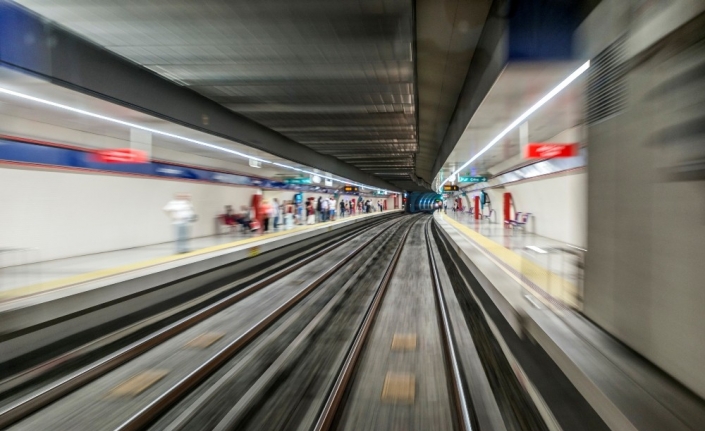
(24, 280)
(548, 267)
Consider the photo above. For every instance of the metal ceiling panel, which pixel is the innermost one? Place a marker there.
(448, 33)
(337, 76)
(342, 77)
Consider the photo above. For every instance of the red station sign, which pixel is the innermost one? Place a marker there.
(120, 155)
(537, 150)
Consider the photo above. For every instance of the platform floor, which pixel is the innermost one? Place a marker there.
(22, 280)
(627, 391)
(553, 266)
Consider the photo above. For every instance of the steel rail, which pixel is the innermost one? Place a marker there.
(171, 396)
(25, 406)
(449, 348)
(330, 410)
(234, 418)
(36, 372)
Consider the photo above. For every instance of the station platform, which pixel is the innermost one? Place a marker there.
(550, 269)
(49, 276)
(625, 390)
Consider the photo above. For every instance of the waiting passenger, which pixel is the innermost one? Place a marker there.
(310, 213)
(265, 210)
(331, 208)
(319, 210)
(275, 213)
(244, 219)
(228, 217)
(288, 214)
(181, 212)
(324, 209)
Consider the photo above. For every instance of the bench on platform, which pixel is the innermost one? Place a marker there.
(520, 221)
(490, 215)
(510, 223)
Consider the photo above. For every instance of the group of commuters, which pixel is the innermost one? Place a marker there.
(326, 209)
(270, 213)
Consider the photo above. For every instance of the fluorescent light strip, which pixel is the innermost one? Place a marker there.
(128, 124)
(573, 76)
(167, 134)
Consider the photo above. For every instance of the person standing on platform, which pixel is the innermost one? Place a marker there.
(289, 216)
(181, 212)
(265, 210)
(331, 208)
(275, 213)
(310, 213)
(319, 209)
(342, 208)
(324, 209)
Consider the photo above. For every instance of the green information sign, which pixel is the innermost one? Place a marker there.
(298, 180)
(472, 179)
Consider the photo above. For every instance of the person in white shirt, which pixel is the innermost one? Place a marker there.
(331, 208)
(324, 209)
(181, 213)
(275, 213)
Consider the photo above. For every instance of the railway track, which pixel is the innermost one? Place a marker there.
(291, 350)
(333, 253)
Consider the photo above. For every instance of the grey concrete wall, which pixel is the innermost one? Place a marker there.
(645, 271)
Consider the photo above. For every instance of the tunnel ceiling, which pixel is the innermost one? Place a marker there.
(337, 76)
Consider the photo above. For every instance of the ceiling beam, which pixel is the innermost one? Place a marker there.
(32, 45)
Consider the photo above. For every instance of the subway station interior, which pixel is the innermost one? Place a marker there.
(368, 215)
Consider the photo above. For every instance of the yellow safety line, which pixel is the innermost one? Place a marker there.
(542, 277)
(108, 272)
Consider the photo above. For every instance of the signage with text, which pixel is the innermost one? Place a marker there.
(450, 188)
(121, 155)
(537, 150)
(298, 180)
(351, 189)
(472, 179)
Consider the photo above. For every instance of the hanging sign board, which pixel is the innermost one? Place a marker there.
(351, 189)
(472, 179)
(120, 155)
(450, 188)
(298, 181)
(537, 150)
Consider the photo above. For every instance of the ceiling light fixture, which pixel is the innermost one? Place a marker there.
(572, 77)
(161, 133)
